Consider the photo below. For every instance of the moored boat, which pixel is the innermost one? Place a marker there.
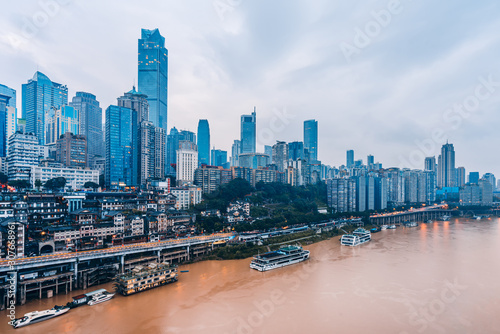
(144, 278)
(359, 236)
(384, 227)
(37, 316)
(391, 227)
(286, 255)
(100, 298)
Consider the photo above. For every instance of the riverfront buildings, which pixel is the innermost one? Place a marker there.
(24, 152)
(446, 167)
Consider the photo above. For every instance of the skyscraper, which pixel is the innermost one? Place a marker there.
(296, 151)
(370, 160)
(350, 159)
(446, 166)
(90, 115)
(59, 121)
(24, 152)
(153, 75)
(235, 152)
(172, 146)
(136, 101)
(121, 137)
(311, 139)
(152, 152)
(248, 133)
(4, 101)
(39, 95)
(280, 155)
(460, 176)
(430, 164)
(473, 177)
(203, 142)
(218, 158)
(11, 92)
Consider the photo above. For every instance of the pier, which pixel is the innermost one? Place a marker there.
(44, 276)
(422, 214)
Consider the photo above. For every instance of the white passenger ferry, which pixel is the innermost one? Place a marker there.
(358, 237)
(284, 256)
(37, 316)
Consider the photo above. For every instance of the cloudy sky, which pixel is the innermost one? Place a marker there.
(395, 79)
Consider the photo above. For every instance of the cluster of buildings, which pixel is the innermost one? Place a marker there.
(76, 221)
(358, 187)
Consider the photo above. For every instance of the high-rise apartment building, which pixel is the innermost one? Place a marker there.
(71, 150)
(280, 155)
(187, 162)
(152, 152)
(59, 121)
(446, 166)
(350, 158)
(24, 152)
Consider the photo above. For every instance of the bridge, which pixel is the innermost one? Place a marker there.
(421, 214)
(44, 275)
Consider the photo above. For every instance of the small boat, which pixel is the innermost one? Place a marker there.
(37, 316)
(429, 222)
(391, 227)
(384, 227)
(375, 230)
(100, 298)
(445, 218)
(184, 271)
(411, 224)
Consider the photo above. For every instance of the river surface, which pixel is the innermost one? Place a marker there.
(442, 277)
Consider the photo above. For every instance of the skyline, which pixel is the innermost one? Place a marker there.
(224, 83)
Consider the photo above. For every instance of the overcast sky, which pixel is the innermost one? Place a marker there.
(380, 77)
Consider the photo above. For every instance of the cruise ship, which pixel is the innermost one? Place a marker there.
(358, 237)
(284, 256)
(37, 316)
(144, 278)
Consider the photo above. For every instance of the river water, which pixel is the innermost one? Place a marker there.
(441, 277)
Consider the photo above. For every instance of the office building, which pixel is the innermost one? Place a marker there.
(248, 133)
(153, 75)
(90, 116)
(75, 177)
(296, 151)
(59, 121)
(473, 177)
(235, 152)
(204, 142)
(136, 101)
(39, 96)
(253, 160)
(491, 178)
(350, 159)
(311, 139)
(172, 146)
(218, 158)
(121, 143)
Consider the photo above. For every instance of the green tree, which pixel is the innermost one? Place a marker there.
(55, 183)
(90, 184)
(38, 184)
(21, 184)
(101, 180)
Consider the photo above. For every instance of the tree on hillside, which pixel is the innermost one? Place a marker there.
(3, 178)
(38, 184)
(21, 184)
(90, 184)
(55, 183)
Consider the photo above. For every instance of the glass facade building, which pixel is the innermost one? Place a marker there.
(296, 150)
(39, 95)
(11, 92)
(90, 114)
(59, 121)
(203, 142)
(311, 139)
(153, 75)
(121, 139)
(219, 158)
(248, 133)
